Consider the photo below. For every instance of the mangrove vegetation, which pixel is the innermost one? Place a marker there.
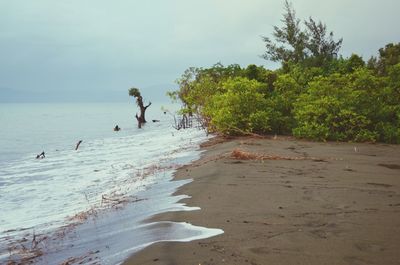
(316, 93)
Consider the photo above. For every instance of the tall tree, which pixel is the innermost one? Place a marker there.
(134, 92)
(290, 40)
(321, 47)
(313, 46)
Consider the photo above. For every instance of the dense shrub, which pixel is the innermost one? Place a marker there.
(240, 109)
(345, 100)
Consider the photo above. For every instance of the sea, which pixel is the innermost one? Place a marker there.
(90, 205)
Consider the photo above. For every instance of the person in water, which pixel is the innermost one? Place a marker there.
(41, 155)
(116, 128)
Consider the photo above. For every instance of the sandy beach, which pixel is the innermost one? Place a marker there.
(293, 202)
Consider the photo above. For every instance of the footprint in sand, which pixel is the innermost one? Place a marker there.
(367, 247)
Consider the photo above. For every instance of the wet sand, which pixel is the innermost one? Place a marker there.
(335, 203)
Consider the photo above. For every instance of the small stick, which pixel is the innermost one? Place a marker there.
(77, 145)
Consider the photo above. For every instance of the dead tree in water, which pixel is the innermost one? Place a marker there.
(78, 144)
(183, 123)
(134, 92)
(189, 121)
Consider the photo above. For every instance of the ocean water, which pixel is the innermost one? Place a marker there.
(89, 205)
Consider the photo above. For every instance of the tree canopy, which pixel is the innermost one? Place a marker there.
(311, 44)
(316, 94)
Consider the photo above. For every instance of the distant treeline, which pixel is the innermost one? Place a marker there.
(316, 94)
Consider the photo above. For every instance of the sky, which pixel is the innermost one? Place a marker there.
(95, 50)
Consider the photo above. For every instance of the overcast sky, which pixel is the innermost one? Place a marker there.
(95, 50)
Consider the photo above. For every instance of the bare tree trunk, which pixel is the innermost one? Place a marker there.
(143, 111)
(141, 119)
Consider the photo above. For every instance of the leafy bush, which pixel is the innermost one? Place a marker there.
(344, 100)
(388, 132)
(329, 111)
(240, 109)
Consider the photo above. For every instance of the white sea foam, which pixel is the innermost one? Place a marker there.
(120, 179)
(41, 191)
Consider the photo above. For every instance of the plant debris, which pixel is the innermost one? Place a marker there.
(246, 155)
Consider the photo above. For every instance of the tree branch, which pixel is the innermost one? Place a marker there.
(147, 106)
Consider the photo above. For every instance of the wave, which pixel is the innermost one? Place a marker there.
(94, 194)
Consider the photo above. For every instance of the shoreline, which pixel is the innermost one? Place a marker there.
(343, 207)
(113, 227)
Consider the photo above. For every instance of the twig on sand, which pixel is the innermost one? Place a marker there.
(245, 155)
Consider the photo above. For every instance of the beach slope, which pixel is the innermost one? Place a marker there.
(293, 202)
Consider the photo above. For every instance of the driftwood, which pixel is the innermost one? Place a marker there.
(41, 155)
(78, 144)
(246, 155)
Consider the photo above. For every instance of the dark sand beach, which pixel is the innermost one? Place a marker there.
(296, 202)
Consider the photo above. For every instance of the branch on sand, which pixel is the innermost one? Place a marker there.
(245, 155)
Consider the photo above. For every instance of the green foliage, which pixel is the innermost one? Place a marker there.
(290, 40)
(321, 46)
(240, 109)
(388, 132)
(327, 111)
(388, 56)
(254, 72)
(287, 89)
(352, 107)
(353, 63)
(394, 77)
(315, 94)
(197, 85)
(134, 92)
(311, 47)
